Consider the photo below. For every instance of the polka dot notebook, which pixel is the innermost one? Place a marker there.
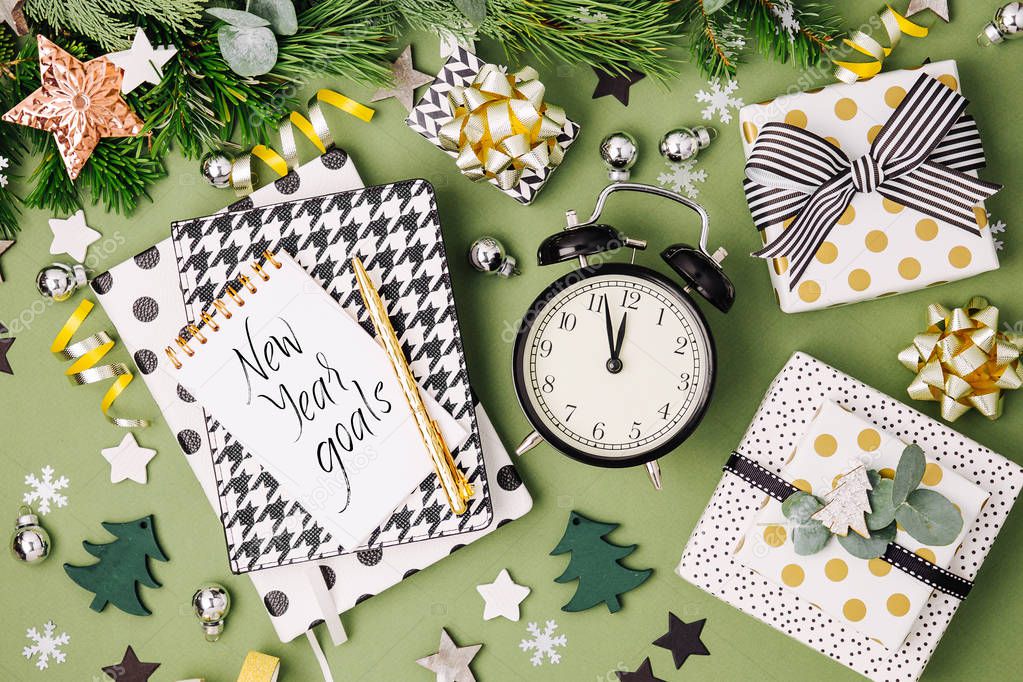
(878, 247)
(808, 402)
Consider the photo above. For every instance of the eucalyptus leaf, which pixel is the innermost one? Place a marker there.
(930, 518)
(711, 6)
(236, 17)
(280, 14)
(809, 536)
(868, 548)
(473, 10)
(882, 509)
(248, 51)
(908, 475)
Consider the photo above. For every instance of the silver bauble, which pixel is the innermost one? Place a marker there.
(30, 543)
(619, 152)
(682, 144)
(60, 281)
(1007, 25)
(211, 604)
(487, 255)
(216, 169)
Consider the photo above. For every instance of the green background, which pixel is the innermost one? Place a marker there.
(46, 421)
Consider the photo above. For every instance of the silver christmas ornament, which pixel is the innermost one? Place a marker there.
(619, 152)
(30, 543)
(1007, 25)
(682, 144)
(60, 281)
(216, 169)
(487, 255)
(211, 604)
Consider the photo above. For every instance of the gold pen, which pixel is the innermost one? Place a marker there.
(456, 488)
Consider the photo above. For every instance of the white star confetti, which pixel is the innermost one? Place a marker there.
(682, 178)
(142, 63)
(45, 491)
(502, 597)
(544, 643)
(719, 100)
(45, 645)
(128, 460)
(72, 236)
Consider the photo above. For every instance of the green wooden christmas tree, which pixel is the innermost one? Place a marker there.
(122, 565)
(595, 564)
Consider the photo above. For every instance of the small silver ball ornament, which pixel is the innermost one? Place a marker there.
(1006, 25)
(30, 543)
(682, 144)
(60, 281)
(619, 151)
(211, 604)
(216, 169)
(488, 255)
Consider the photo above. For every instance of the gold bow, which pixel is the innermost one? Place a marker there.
(963, 361)
(501, 126)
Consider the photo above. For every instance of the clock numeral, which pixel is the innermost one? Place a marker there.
(682, 343)
(630, 300)
(571, 410)
(598, 431)
(660, 318)
(634, 433)
(548, 384)
(664, 411)
(596, 304)
(566, 321)
(683, 381)
(545, 348)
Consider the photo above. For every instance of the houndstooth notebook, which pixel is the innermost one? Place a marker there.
(396, 229)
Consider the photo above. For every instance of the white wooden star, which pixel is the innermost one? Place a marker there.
(502, 597)
(12, 14)
(4, 245)
(939, 7)
(451, 662)
(128, 460)
(406, 80)
(72, 236)
(142, 63)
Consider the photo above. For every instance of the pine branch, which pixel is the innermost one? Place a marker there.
(11, 145)
(111, 23)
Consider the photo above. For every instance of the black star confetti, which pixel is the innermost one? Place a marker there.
(643, 674)
(615, 84)
(683, 639)
(5, 346)
(130, 669)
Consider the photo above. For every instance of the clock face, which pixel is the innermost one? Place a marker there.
(615, 366)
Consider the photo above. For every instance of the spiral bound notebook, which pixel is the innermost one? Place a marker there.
(309, 394)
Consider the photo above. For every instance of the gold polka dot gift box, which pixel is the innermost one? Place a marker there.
(868, 189)
(882, 617)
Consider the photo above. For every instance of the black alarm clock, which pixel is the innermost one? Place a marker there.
(614, 364)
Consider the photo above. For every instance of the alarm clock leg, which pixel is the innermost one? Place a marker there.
(654, 469)
(528, 443)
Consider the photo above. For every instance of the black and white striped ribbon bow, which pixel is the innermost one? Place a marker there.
(918, 159)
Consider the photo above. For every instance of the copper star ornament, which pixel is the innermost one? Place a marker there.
(79, 103)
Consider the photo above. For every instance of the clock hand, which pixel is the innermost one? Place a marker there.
(614, 364)
(621, 337)
(610, 329)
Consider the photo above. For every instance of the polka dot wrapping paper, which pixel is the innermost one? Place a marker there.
(790, 405)
(876, 599)
(878, 247)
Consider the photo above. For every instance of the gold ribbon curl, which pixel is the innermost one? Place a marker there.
(963, 361)
(895, 25)
(501, 126)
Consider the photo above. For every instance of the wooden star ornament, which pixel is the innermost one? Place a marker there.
(5, 347)
(451, 662)
(616, 85)
(406, 80)
(11, 13)
(4, 245)
(79, 103)
(683, 639)
(130, 669)
(643, 673)
(939, 7)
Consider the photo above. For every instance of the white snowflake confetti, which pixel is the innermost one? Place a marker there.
(544, 643)
(586, 16)
(4, 163)
(786, 15)
(719, 100)
(682, 178)
(45, 645)
(44, 490)
(998, 227)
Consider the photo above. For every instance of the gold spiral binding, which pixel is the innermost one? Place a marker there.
(220, 306)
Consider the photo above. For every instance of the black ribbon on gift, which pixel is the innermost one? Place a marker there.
(919, 159)
(895, 554)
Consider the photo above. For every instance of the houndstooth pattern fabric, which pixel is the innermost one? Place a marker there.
(434, 110)
(396, 231)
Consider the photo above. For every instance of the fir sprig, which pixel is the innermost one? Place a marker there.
(111, 23)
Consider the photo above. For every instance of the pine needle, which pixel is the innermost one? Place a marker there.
(111, 23)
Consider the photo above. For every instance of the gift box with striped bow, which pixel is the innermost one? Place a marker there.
(870, 189)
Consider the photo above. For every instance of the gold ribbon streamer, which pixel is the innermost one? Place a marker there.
(86, 354)
(500, 126)
(314, 128)
(963, 361)
(895, 25)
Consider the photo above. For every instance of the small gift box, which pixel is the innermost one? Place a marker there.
(868, 595)
(496, 125)
(868, 189)
(804, 402)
